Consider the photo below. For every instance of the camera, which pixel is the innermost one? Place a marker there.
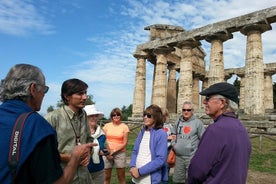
(106, 152)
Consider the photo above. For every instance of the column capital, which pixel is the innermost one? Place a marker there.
(255, 27)
(141, 54)
(270, 68)
(188, 44)
(223, 36)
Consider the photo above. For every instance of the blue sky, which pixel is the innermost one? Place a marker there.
(95, 40)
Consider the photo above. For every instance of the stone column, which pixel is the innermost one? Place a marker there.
(204, 86)
(241, 102)
(195, 96)
(171, 90)
(216, 67)
(185, 90)
(159, 96)
(153, 80)
(140, 86)
(268, 91)
(254, 69)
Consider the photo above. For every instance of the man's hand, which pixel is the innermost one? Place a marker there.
(82, 153)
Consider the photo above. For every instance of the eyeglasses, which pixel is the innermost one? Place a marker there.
(188, 110)
(113, 115)
(207, 98)
(147, 115)
(45, 88)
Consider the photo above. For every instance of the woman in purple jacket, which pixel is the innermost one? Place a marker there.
(150, 150)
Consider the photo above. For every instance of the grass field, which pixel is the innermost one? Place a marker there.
(263, 158)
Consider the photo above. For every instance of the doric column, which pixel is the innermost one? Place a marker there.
(195, 90)
(268, 91)
(216, 67)
(204, 86)
(159, 95)
(140, 85)
(171, 90)
(185, 89)
(254, 69)
(241, 102)
(153, 80)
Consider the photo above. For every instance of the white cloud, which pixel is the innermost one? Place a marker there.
(110, 72)
(20, 17)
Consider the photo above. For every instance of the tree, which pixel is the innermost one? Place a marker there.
(51, 108)
(89, 101)
(237, 84)
(127, 112)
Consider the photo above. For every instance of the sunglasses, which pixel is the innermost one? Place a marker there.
(188, 110)
(113, 115)
(147, 115)
(45, 88)
(207, 98)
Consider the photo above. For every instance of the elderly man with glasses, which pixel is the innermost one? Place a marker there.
(187, 132)
(29, 154)
(224, 150)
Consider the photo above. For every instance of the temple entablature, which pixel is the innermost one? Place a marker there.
(173, 50)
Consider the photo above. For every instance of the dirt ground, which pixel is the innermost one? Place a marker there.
(255, 177)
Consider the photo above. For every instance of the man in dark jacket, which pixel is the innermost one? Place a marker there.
(224, 150)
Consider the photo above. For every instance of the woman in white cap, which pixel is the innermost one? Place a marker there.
(96, 164)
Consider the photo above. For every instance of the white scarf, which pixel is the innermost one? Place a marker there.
(96, 149)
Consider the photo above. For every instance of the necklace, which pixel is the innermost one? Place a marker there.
(77, 135)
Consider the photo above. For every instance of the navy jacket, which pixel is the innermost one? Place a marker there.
(36, 129)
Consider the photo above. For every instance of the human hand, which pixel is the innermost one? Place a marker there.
(173, 137)
(134, 172)
(170, 137)
(82, 152)
(85, 158)
(109, 157)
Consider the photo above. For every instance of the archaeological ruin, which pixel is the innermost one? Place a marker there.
(173, 52)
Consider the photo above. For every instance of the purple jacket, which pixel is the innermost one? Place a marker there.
(223, 153)
(158, 148)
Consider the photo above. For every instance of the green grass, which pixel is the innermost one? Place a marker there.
(263, 158)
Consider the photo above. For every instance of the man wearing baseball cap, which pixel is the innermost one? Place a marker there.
(224, 150)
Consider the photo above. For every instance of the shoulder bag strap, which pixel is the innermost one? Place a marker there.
(14, 152)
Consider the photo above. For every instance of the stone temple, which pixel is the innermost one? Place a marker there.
(173, 52)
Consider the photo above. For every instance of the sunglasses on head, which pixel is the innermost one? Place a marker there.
(147, 115)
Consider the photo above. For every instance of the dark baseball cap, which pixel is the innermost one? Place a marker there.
(222, 88)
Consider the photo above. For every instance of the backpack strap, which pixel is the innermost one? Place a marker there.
(176, 129)
(14, 152)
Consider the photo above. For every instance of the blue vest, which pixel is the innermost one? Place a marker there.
(35, 129)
